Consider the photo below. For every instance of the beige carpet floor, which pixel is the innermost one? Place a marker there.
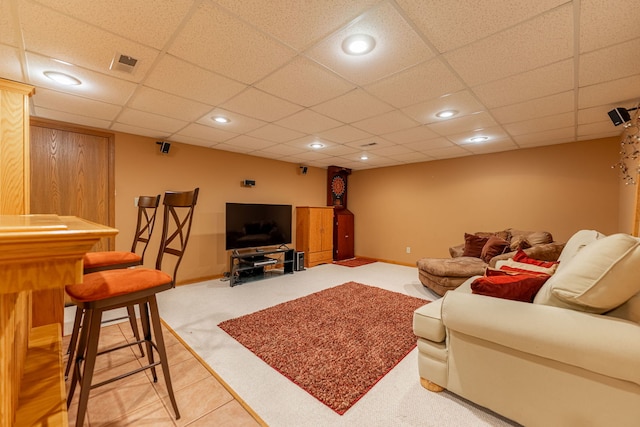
(194, 311)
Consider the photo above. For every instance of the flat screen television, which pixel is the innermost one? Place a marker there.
(253, 225)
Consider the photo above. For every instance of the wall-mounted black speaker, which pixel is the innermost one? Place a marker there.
(619, 116)
(164, 146)
(304, 170)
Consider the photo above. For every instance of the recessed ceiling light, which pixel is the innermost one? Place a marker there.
(478, 139)
(220, 119)
(445, 114)
(316, 145)
(358, 44)
(62, 78)
(364, 157)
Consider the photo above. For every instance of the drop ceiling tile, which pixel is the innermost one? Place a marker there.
(369, 143)
(495, 134)
(137, 130)
(165, 104)
(344, 134)
(261, 105)
(448, 152)
(598, 114)
(418, 133)
(392, 150)
(61, 37)
(397, 47)
(540, 124)
(80, 106)
(220, 42)
(413, 157)
(62, 116)
(238, 124)
(305, 142)
(491, 147)
(308, 121)
(10, 67)
(353, 106)
(275, 133)
(429, 144)
(599, 130)
(324, 163)
(425, 112)
(291, 82)
(479, 120)
(545, 81)
(518, 49)
(451, 24)
(611, 63)
(311, 155)
(626, 89)
(603, 23)
(547, 137)
(9, 27)
(386, 123)
(233, 148)
(372, 160)
(192, 141)
(142, 119)
(206, 133)
(340, 150)
(178, 77)
(297, 23)
(281, 150)
(539, 107)
(123, 17)
(97, 86)
(249, 142)
(401, 90)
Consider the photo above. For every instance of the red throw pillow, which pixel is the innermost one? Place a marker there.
(494, 246)
(521, 256)
(473, 245)
(519, 287)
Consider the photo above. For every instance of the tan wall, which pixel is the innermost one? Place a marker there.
(426, 206)
(429, 206)
(142, 170)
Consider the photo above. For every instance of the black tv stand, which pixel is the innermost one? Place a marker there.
(257, 264)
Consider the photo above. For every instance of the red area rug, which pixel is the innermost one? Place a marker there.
(336, 344)
(355, 262)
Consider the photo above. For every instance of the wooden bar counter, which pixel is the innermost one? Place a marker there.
(36, 252)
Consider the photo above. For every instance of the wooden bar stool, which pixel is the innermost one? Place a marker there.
(111, 260)
(107, 290)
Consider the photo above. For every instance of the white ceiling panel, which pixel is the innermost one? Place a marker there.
(526, 73)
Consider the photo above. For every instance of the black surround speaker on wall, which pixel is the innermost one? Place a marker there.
(299, 261)
(619, 116)
(164, 146)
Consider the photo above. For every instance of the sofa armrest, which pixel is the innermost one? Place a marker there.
(593, 342)
(544, 252)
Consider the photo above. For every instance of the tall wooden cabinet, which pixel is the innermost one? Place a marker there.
(314, 234)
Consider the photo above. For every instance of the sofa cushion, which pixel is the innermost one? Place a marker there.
(517, 287)
(494, 246)
(521, 256)
(452, 267)
(473, 245)
(600, 277)
(512, 265)
(578, 241)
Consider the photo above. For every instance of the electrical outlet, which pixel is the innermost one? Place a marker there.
(408, 249)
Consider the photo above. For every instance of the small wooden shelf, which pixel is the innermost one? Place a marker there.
(42, 398)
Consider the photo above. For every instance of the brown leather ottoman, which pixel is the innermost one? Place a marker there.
(443, 274)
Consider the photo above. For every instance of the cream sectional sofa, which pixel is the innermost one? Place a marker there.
(570, 358)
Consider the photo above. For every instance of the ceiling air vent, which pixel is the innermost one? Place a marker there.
(123, 63)
(370, 144)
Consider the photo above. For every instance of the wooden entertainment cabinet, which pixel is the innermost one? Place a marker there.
(314, 234)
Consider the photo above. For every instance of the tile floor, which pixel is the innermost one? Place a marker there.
(202, 399)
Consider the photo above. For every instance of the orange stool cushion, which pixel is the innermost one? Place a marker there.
(112, 283)
(102, 259)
